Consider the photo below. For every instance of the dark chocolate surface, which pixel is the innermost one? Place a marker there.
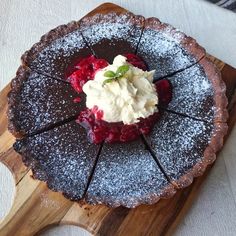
(54, 57)
(163, 49)
(126, 174)
(111, 34)
(179, 143)
(62, 157)
(192, 94)
(38, 102)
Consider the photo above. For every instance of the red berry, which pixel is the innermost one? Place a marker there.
(164, 90)
(136, 61)
(85, 70)
(78, 99)
(100, 130)
(97, 113)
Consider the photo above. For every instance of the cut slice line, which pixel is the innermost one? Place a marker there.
(145, 142)
(199, 141)
(93, 170)
(181, 70)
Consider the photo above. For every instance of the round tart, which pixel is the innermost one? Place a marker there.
(43, 109)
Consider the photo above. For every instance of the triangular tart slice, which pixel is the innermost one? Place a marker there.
(57, 51)
(62, 157)
(126, 174)
(166, 49)
(38, 102)
(184, 146)
(111, 34)
(199, 92)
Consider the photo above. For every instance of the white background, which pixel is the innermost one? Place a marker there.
(22, 22)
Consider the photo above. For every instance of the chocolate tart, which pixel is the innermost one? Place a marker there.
(184, 141)
(62, 157)
(38, 102)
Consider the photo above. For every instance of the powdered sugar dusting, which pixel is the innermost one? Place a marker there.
(110, 35)
(162, 51)
(193, 94)
(110, 26)
(42, 102)
(57, 56)
(64, 155)
(172, 34)
(179, 143)
(46, 202)
(126, 174)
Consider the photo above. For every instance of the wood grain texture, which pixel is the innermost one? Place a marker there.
(50, 14)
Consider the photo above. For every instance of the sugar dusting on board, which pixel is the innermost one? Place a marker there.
(46, 202)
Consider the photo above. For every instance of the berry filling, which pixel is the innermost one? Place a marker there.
(98, 114)
(99, 130)
(85, 70)
(136, 61)
(91, 119)
(164, 91)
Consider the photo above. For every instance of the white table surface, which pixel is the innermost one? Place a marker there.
(22, 22)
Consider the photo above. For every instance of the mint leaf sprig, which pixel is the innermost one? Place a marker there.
(114, 76)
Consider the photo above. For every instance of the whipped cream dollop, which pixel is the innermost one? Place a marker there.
(126, 99)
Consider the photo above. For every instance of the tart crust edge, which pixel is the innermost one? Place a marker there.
(46, 39)
(187, 42)
(17, 83)
(220, 126)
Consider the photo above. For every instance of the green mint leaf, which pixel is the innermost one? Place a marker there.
(121, 70)
(107, 81)
(109, 74)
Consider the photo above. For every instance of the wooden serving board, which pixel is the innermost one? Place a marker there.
(36, 207)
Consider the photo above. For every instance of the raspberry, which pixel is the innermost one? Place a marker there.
(97, 113)
(100, 130)
(85, 70)
(136, 61)
(164, 90)
(78, 99)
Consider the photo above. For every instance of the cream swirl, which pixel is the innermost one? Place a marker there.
(126, 99)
